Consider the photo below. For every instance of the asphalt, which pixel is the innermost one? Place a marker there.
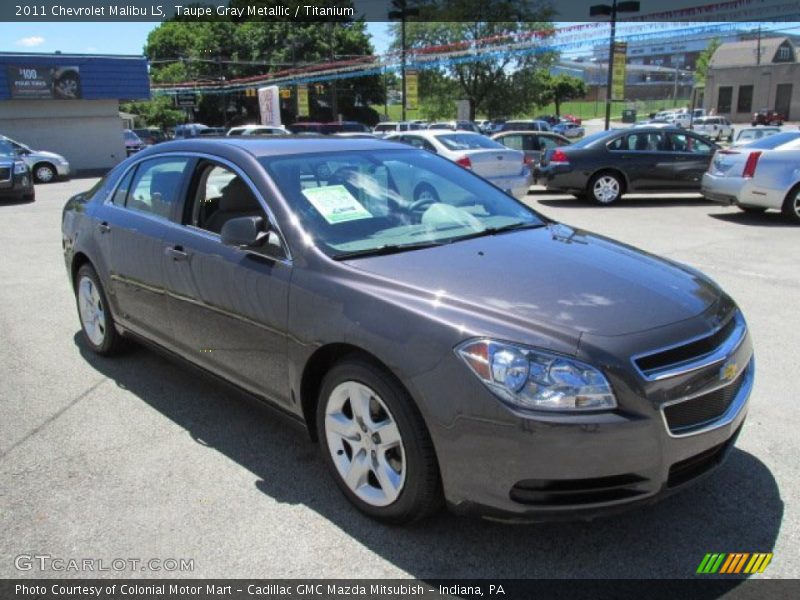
(138, 457)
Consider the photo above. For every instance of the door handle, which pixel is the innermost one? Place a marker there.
(177, 253)
(104, 227)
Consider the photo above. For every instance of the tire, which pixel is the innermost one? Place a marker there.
(44, 173)
(605, 188)
(97, 322)
(791, 206)
(752, 210)
(719, 136)
(398, 480)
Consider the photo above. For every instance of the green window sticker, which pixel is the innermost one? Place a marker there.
(336, 204)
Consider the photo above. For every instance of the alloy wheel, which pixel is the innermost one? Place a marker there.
(92, 311)
(606, 189)
(365, 444)
(44, 174)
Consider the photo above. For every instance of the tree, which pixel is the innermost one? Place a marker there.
(222, 49)
(703, 60)
(158, 112)
(484, 74)
(562, 88)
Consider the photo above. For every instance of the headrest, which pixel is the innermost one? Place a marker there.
(237, 197)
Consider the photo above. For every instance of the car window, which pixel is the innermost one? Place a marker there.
(236, 132)
(773, 141)
(511, 141)
(640, 142)
(418, 142)
(6, 149)
(156, 186)
(467, 141)
(681, 142)
(361, 201)
(219, 195)
(121, 193)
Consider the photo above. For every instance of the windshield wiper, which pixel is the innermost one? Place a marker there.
(496, 230)
(386, 249)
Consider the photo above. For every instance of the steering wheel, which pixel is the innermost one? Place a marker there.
(424, 197)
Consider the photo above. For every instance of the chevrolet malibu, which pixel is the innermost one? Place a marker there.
(454, 348)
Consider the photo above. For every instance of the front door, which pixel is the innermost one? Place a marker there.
(229, 307)
(691, 156)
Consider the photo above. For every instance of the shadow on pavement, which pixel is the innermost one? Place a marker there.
(765, 219)
(624, 202)
(737, 509)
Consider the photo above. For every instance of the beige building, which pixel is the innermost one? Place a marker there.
(744, 77)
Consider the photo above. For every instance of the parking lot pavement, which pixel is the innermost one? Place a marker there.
(139, 457)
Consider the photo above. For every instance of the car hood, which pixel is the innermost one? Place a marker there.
(555, 276)
(46, 154)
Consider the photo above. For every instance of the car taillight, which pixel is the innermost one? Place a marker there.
(465, 162)
(751, 164)
(527, 160)
(559, 156)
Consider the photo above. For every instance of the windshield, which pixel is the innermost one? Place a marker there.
(779, 139)
(467, 141)
(6, 149)
(363, 202)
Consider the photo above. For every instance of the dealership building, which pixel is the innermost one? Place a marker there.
(69, 104)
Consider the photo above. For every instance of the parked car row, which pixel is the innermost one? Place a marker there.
(43, 165)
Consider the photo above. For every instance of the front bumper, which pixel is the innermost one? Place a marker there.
(17, 187)
(62, 169)
(506, 464)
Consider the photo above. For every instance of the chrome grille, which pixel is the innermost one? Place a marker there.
(688, 415)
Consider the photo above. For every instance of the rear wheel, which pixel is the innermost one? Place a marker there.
(376, 444)
(791, 206)
(97, 322)
(605, 188)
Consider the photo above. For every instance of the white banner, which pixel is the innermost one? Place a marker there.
(269, 104)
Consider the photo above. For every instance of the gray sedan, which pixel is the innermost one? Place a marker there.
(458, 348)
(45, 166)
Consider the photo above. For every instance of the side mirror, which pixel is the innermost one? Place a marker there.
(244, 232)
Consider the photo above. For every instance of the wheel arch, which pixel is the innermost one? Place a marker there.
(78, 261)
(317, 366)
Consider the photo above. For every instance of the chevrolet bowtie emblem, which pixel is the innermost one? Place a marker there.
(728, 371)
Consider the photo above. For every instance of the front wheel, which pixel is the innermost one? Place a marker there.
(605, 188)
(376, 444)
(97, 322)
(44, 173)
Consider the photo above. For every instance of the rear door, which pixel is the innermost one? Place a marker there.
(133, 223)
(229, 306)
(691, 156)
(641, 156)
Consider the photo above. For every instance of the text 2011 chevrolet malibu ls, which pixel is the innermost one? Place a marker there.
(455, 346)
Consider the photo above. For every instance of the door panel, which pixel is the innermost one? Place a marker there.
(691, 156)
(229, 307)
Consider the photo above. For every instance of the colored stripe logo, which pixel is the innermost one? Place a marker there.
(734, 563)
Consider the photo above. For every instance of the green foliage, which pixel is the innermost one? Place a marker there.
(561, 88)
(703, 59)
(158, 112)
(488, 83)
(210, 51)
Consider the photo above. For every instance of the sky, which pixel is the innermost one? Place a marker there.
(105, 38)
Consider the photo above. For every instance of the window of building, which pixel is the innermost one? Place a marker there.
(724, 100)
(784, 53)
(745, 102)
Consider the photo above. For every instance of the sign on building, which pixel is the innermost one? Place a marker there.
(412, 90)
(618, 74)
(302, 100)
(186, 99)
(269, 105)
(44, 83)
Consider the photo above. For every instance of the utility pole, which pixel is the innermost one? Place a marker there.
(611, 11)
(332, 54)
(758, 45)
(402, 12)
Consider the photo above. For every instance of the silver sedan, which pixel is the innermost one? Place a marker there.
(759, 176)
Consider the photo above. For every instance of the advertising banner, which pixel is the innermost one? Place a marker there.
(269, 105)
(618, 76)
(302, 101)
(412, 90)
(39, 82)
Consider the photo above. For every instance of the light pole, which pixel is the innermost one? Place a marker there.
(611, 11)
(402, 12)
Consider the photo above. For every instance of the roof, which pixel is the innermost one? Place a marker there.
(737, 54)
(102, 77)
(260, 146)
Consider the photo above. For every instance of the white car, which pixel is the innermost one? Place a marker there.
(258, 130)
(388, 127)
(569, 129)
(751, 134)
(45, 166)
(715, 128)
(501, 166)
(758, 176)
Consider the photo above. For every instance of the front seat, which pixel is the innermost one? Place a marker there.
(237, 200)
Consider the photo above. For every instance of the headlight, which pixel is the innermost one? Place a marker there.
(536, 379)
(20, 168)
